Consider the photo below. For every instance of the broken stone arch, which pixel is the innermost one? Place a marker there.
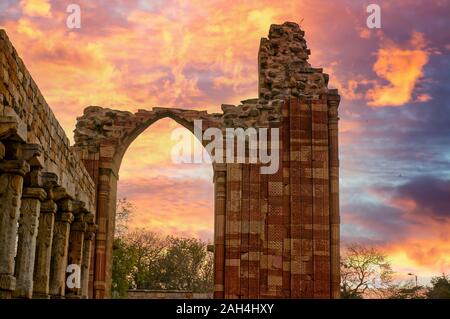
(275, 235)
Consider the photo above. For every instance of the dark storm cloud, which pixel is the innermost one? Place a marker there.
(431, 195)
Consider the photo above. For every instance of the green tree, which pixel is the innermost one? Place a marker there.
(440, 287)
(122, 267)
(144, 260)
(187, 265)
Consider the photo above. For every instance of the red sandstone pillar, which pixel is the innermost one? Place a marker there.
(333, 102)
(106, 201)
(219, 231)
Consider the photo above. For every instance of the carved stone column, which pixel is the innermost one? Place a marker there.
(87, 254)
(106, 199)
(60, 248)
(220, 179)
(33, 195)
(11, 182)
(44, 239)
(333, 102)
(76, 242)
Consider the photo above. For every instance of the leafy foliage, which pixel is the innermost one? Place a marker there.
(440, 287)
(145, 260)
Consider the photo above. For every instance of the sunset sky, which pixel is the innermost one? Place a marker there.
(394, 84)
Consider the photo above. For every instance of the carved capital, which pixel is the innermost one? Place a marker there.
(33, 154)
(49, 207)
(65, 205)
(89, 218)
(66, 217)
(79, 226)
(12, 128)
(90, 232)
(333, 99)
(17, 167)
(34, 192)
(81, 213)
(60, 194)
(34, 177)
(49, 180)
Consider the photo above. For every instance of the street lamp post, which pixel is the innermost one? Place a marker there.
(411, 274)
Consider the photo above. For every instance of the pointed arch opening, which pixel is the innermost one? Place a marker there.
(164, 247)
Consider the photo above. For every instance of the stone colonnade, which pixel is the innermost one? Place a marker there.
(47, 198)
(42, 228)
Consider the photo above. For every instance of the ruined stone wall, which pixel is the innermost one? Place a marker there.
(47, 197)
(276, 235)
(21, 99)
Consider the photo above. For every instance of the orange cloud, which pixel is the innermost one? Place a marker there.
(402, 68)
(425, 258)
(36, 8)
(199, 54)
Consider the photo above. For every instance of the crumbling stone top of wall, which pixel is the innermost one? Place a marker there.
(104, 124)
(21, 100)
(283, 65)
(284, 72)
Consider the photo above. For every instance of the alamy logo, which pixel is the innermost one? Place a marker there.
(74, 19)
(374, 19)
(249, 146)
(74, 279)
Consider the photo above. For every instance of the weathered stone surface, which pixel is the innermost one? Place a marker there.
(276, 235)
(44, 241)
(87, 253)
(26, 117)
(29, 131)
(26, 247)
(11, 181)
(283, 67)
(76, 244)
(60, 247)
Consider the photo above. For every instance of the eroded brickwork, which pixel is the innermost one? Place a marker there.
(276, 235)
(40, 175)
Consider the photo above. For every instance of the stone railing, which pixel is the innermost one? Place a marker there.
(166, 294)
